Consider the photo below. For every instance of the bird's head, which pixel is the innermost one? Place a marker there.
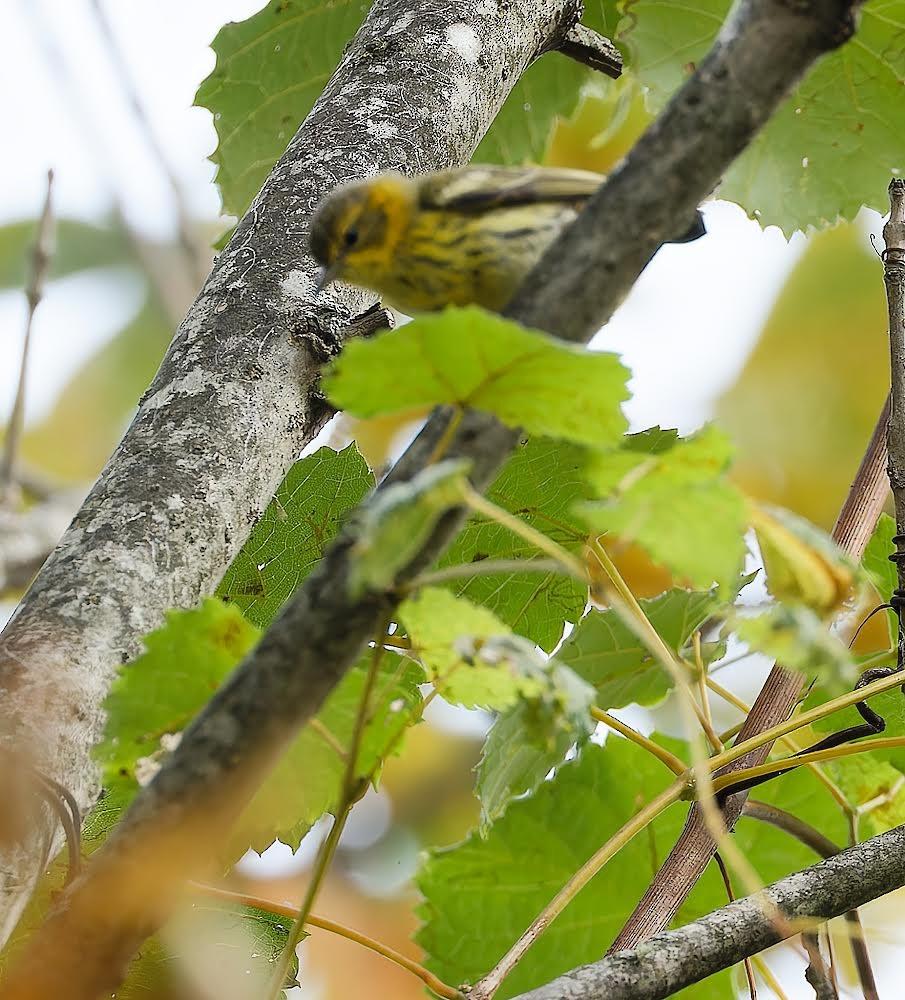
(355, 229)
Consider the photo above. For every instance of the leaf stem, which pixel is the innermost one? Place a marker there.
(486, 987)
(846, 700)
(674, 763)
(481, 505)
(434, 984)
(788, 763)
(352, 790)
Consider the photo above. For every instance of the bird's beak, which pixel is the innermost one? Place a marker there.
(328, 275)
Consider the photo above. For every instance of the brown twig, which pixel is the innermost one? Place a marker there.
(586, 46)
(818, 973)
(894, 279)
(694, 848)
(821, 845)
(41, 255)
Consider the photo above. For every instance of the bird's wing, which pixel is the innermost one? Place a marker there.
(481, 187)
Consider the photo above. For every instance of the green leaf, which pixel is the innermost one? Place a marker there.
(514, 762)
(469, 357)
(540, 483)
(437, 621)
(270, 70)
(481, 895)
(231, 949)
(874, 787)
(307, 781)
(832, 145)
(395, 526)
(608, 654)
(548, 89)
(798, 639)
(675, 501)
(303, 517)
(882, 570)
(155, 697)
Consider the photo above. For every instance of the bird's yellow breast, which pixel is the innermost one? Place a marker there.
(456, 258)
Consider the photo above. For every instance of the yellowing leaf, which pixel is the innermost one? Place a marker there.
(803, 565)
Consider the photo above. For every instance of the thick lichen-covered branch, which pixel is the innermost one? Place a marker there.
(237, 396)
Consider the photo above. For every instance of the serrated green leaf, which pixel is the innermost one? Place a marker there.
(270, 69)
(882, 570)
(608, 654)
(796, 637)
(480, 895)
(395, 526)
(307, 781)
(676, 502)
(540, 483)
(513, 762)
(832, 145)
(469, 357)
(156, 696)
(303, 517)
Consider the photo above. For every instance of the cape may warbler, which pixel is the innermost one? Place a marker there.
(453, 237)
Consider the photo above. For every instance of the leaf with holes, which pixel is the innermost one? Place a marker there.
(540, 483)
(289, 539)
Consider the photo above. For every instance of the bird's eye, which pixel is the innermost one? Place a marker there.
(351, 237)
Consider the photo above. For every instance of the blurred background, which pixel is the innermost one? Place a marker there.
(782, 341)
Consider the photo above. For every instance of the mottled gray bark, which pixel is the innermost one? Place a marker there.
(670, 961)
(236, 397)
(175, 823)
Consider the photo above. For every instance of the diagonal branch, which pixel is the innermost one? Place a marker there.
(176, 823)
(237, 397)
(672, 960)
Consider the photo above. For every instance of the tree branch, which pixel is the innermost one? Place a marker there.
(586, 46)
(670, 961)
(176, 823)
(237, 395)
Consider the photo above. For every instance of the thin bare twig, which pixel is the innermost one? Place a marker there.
(41, 255)
(894, 279)
(195, 252)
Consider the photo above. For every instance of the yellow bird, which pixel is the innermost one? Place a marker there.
(452, 237)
